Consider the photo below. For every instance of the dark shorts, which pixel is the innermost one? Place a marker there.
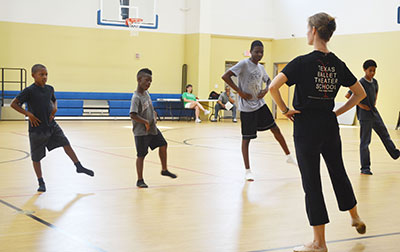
(50, 139)
(258, 120)
(144, 142)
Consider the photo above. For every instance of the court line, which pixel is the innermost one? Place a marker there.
(19, 134)
(148, 161)
(187, 142)
(333, 241)
(130, 157)
(48, 224)
(122, 189)
(14, 160)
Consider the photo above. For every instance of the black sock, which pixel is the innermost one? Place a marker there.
(169, 174)
(42, 186)
(81, 169)
(140, 183)
(41, 181)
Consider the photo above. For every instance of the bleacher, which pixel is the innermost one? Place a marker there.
(90, 104)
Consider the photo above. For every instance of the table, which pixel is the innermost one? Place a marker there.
(212, 101)
(168, 104)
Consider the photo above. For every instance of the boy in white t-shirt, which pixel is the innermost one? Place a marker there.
(254, 113)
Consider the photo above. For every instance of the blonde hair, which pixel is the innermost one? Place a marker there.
(324, 24)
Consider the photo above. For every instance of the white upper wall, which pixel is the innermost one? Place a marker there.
(237, 18)
(83, 13)
(252, 18)
(352, 16)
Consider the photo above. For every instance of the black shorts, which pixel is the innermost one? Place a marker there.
(50, 139)
(258, 120)
(144, 142)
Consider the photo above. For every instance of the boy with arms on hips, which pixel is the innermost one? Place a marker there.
(44, 132)
(369, 119)
(144, 127)
(254, 112)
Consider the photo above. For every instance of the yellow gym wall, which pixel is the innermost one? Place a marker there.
(354, 49)
(96, 60)
(192, 59)
(103, 60)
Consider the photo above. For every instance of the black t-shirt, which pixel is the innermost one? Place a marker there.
(371, 89)
(318, 77)
(39, 101)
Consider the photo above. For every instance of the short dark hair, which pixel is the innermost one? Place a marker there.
(256, 43)
(144, 71)
(369, 63)
(37, 67)
(188, 85)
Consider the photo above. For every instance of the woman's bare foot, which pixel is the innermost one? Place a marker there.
(311, 247)
(359, 225)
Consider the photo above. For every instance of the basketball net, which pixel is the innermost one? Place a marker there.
(133, 25)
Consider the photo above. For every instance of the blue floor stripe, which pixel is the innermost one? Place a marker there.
(334, 241)
(48, 224)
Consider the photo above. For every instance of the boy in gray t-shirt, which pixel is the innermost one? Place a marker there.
(254, 113)
(144, 127)
(370, 119)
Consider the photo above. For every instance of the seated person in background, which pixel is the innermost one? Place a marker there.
(190, 102)
(223, 99)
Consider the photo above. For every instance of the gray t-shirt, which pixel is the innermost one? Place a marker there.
(251, 78)
(224, 97)
(142, 105)
(371, 89)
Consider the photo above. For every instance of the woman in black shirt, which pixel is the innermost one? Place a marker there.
(318, 77)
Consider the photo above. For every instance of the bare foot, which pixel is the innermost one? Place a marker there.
(359, 225)
(311, 247)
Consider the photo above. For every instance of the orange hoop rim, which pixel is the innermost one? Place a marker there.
(130, 21)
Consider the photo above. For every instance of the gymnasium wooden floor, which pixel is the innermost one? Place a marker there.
(208, 208)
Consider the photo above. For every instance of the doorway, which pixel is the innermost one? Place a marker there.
(286, 94)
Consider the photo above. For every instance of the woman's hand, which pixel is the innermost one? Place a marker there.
(290, 114)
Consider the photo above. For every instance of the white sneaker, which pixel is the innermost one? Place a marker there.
(291, 160)
(207, 112)
(198, 120)
(249, 175)
(234, 120)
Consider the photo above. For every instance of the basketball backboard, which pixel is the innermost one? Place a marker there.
(114, 12)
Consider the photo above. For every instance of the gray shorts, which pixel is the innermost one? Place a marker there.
(50, 139)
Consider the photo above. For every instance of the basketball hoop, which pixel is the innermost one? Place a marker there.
(133, 25)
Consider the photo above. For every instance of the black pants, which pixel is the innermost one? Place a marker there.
(218, 107)
(315, 133)
(365, 139)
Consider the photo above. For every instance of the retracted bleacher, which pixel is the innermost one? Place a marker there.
(99, 104)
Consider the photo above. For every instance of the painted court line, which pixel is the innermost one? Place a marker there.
(148, 161)
(48, 224)
(129, 157)
(122, 189)
(333, 241)
(14, 160)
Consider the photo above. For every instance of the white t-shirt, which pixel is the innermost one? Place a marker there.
(251, 78)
